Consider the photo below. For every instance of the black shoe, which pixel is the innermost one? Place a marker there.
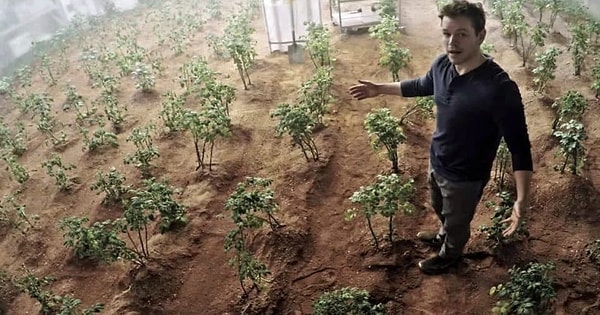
(437, 264)
(431, 238)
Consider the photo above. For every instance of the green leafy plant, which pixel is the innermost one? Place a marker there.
(100, 138)
(592, 250)
(99, 241)
(112, 184)
(529, 291)
(502, 211)
(51, 303)
(501, 164)
(487, 48)
(596, 78)
(173, 112)
(388, 195)
(195, 75)
(347, 301)
(240, 45)
(317, 44)
(384, 130)
(392, 56)
(12, 214)
(571, 136)
(145, 151)
(214, 9)
(114, 113)
(251, 205)
(58, 170)
(217, 45)
(299, 124)
(12, 141)
(579, 46)
(18, 171)
(570, 106)
(529, 39)
(546, 66)
(423, 107)
(157, 198)
(207, 126)
(144, 77)
(315, 93)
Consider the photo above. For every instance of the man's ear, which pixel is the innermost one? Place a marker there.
(482, 36)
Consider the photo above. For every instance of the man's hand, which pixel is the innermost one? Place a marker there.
(365, 89)
(514, 220)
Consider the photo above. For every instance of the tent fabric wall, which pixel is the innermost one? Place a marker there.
(278, 20)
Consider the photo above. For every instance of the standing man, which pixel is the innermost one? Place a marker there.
(477, 104)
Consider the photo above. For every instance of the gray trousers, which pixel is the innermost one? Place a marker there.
(455, 204)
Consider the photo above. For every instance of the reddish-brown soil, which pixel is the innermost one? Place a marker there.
(316, 250)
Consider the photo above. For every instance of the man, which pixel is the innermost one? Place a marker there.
(477, 104)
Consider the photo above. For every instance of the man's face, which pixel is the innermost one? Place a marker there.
(460, 40)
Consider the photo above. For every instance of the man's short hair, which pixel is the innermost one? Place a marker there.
(473, 11)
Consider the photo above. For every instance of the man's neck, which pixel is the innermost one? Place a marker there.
(470, 65)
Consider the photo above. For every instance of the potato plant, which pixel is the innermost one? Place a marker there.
(12, 214)
(58, 170)
(112, 184)
(217, 45)
(388, 195)
(579, 46)
(423, 107)
(501, 163)
(248, 267)
(145, 151)
(99, 241)
(18, 172)
(214, 9)
(389, 8)
(596, 78)
(47, 71)
(502, 210)
(251, 205)
(345, 301)
(297, 122)
(23, 76)
(317, 44)
(157, 197)
(546, 66)
(315, 93)
(114, 113)
(571, 136)
(100, 138)
(530, 39)
(207, 126)
(384, 130)
(392, 56)
(217, 94)
(592, 251)
(195, 74)
(240, 45)
(144, 77)
(529, 291)
(570, 106)
(173, 112)
(12, 141)
(50, 302)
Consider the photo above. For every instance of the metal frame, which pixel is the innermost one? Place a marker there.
(343, 28)
(269, 42)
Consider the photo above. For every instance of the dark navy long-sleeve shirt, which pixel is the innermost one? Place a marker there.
(474, 111)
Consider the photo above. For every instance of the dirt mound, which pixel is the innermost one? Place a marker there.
(570, 197)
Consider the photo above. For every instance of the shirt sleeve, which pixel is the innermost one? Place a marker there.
(510, 118)
(422, 86)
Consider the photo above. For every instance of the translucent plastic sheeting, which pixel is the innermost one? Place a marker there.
(278, 19)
